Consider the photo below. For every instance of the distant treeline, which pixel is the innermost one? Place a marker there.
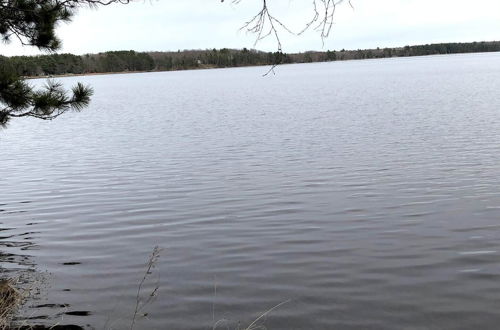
(125, 61)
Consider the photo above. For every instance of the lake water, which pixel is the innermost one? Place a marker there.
(367, 193)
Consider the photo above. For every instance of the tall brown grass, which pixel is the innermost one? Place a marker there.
(11, 299)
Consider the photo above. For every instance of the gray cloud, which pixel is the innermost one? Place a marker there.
(199, 24)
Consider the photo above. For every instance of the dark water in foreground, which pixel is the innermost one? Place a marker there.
(367, 192)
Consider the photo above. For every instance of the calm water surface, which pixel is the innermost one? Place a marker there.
(367, 192)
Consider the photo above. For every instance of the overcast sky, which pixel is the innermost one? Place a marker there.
(161, 25)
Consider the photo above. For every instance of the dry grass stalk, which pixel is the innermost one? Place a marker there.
(255, 324)
(10, 300)
(139, 302)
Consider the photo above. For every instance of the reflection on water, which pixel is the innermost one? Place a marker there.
(18, 265)
(367, 192)
(16, 244)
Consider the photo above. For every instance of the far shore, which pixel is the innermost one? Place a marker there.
(110, 73)
(203, 67)
(211, 66)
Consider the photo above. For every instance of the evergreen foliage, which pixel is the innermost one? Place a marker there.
(33, 23)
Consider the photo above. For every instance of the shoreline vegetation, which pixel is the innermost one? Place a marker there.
(13, 295)
(119, 62)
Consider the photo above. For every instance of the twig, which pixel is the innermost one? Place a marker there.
(153, 259)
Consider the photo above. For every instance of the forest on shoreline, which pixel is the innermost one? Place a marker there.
(129, 61)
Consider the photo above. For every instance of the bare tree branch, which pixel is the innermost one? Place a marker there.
(264, 23)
